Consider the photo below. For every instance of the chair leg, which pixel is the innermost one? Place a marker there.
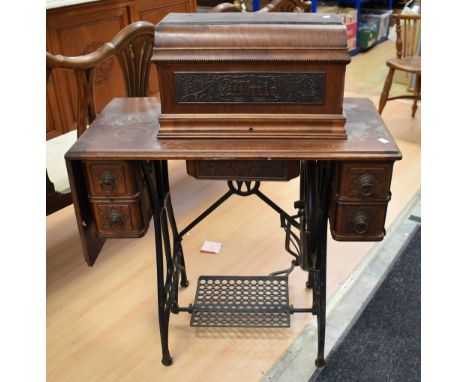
(417, 95)
(386, 90)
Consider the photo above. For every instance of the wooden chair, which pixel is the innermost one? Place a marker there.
(406, 60)
(133, 47)
(274, 6)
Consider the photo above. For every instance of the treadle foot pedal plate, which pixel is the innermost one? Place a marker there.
(241, 301)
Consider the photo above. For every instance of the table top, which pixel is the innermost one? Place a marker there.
(127, 130)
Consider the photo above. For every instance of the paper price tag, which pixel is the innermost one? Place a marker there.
(211, 247)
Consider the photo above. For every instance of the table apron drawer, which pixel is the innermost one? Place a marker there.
(358, 221)
(276, 170)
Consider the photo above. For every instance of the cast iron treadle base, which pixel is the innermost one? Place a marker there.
(257, 301)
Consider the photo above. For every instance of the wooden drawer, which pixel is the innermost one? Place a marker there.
(279, 170)
(121, 218)
(358, 221)
(363, 180)
(111, 179)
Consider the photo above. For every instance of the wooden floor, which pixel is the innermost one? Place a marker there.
(101, 321)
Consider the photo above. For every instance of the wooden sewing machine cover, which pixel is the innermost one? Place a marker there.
(251, 75)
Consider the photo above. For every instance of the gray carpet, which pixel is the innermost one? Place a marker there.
(384, 343)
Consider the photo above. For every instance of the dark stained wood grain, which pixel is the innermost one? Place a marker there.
(118, 197)
(249, 75)
(90, 242)
(248, 170)
(110, 179)
(357, 181)
(358, 221)
(359, 199)
(127, 130)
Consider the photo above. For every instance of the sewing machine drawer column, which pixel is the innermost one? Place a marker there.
(360, 194)
(118, 197)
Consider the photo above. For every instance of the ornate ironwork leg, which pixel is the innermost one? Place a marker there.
(309, 247)
(170, 214)
(300, 205)
(156, 197)
(309, 192)
(324, 183)
(315, 187)
(156, 176)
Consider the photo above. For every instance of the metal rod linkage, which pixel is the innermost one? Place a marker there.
(208, 211)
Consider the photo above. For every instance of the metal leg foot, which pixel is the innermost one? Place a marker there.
(321, 337)
(320, 362)
(184, 283)
(167, 360)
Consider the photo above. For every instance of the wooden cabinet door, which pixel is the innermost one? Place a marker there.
(155, 10)
(77, 32)
(54, 125)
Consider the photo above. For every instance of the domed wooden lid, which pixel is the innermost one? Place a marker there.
(251, 37)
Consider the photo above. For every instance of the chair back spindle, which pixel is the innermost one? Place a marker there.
(407, 35)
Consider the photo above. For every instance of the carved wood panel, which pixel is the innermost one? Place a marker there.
(243, 169)
(116, 179)
(361, 181)
(245, 87)
(117, 218)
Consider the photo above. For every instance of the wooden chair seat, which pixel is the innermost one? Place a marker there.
(407, 64)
